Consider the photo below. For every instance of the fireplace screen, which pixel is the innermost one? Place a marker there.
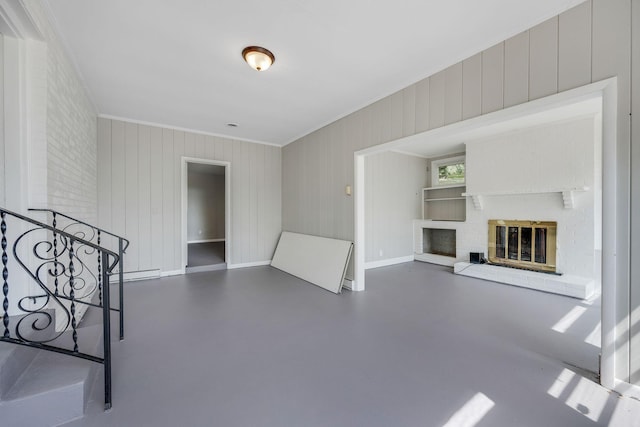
(524, 244)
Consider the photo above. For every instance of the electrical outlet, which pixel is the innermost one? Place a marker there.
(381, 252)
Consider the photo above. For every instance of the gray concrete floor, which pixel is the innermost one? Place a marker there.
(208, 253)
(420, 347)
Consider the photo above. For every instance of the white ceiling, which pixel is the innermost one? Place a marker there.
(177, 62)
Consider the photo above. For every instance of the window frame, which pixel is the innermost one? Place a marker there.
(436, 164)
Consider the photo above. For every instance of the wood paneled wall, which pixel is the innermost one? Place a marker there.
(588, 43)
(393, 184)
(139, 183)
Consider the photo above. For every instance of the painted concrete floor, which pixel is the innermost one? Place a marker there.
(420, 347)
(208, 253)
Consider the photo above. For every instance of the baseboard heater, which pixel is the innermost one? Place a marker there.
(319, 260)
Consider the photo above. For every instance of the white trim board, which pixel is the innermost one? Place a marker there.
(387, 262)
(248, 264)
(205, 241)
(136, 275)
(171, 273)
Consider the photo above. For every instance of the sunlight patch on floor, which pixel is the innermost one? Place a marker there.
(586, 397)
(471, 412)
(595, 336)
(569, 319)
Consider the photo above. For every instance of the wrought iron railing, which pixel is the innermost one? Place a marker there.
(48, 276)
(95, 235)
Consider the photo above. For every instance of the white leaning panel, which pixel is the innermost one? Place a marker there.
(318, 260)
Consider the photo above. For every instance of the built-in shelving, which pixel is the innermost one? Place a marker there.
(444, 203)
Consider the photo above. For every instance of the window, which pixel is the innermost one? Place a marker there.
(449, 171)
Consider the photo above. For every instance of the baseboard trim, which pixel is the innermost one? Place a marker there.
(627, 389)
(171, 273)
(248, 264)
(135, 275)
(388, 262)
(347, 284)
(206, 241)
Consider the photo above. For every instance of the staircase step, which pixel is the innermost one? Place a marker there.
(53, 389)
(14, 359)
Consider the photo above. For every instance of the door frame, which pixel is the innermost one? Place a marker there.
(227, 208)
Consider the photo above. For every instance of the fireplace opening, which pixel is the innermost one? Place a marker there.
(530, 245)
(439, 241)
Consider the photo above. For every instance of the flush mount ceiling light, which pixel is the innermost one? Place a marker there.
(258, 57)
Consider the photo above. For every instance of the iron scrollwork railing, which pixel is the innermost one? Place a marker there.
(55, 281)
(102, 238)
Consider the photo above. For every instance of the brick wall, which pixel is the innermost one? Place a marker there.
(71, 130)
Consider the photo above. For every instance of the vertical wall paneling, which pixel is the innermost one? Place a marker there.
(610, 56)
(392, 179)
(543, 59)
(492, 78)
(157, 229)
(218, 149)
(453, 94)
(144, 198)
(131, 195)
(436, 99)
(200, 147)
(472, 86)
(574, 47)
(168, 197)
(209, 147)
(635, 197)
(396, 106)
(408, 110)
(516, 69)
(152, 175)
(422, 106)
(104, 173)
(118, 182)
(190, 145)
(178, 152)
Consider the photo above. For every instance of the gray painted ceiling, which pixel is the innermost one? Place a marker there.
(177, 63)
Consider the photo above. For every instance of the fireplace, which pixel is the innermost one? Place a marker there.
(439, 241)
(530, 245)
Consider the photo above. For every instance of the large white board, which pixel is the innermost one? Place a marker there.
(318, 260)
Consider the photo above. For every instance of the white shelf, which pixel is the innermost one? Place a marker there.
(445, 202)
(442, 187)
(444, 198)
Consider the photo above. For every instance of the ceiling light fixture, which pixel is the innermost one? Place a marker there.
(258, 57)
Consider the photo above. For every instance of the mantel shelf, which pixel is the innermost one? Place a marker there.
(567, 195)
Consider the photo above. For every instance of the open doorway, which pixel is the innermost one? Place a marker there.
(586, 321)
(205, 215)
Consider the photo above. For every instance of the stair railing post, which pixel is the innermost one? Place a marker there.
(106, 332)
(120, 285)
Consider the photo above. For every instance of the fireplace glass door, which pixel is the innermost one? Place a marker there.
(523, 244)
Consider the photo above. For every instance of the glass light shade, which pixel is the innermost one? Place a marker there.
(258, 58)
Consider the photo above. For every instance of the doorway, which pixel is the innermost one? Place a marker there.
(605, 94)
(205, 220)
